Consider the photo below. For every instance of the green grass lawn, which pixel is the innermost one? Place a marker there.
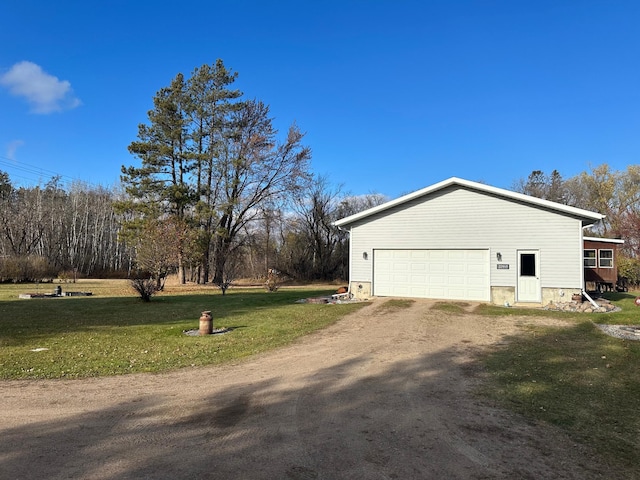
(113, 332)
(575, 377)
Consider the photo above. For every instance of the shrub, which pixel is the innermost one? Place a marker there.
(629, 268)
(145, 286)
(273, 277)
(27, 268)
(67, 276)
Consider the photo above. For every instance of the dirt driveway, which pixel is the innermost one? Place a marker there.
(379, 395)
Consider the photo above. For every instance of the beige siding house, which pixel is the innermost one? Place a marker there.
(463, 240)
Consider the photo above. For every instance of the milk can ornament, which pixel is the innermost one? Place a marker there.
(206, 323)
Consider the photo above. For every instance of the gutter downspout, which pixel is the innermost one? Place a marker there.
(583, 291)
(350, 257)
(595, 305)
(581, 247)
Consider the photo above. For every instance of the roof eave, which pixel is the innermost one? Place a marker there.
(619, 241)
(587, 217)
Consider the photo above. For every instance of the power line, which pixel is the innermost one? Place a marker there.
(39, 172)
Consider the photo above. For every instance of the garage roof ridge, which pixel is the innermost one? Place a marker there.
(586, 215)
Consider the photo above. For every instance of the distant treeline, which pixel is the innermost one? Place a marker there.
(49, 232)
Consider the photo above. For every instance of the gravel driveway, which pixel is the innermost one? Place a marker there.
(382, 394)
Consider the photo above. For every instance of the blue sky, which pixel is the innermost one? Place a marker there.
(394, 95)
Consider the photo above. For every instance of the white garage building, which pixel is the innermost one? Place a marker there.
(462, 240)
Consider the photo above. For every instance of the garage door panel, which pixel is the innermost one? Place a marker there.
(457, 268)
(436, 267)
(418, 292)
(435, 292)
(476, 294)
(419, 254)
(446, 274)
(456, 294)
(453, 255)
(474, 268)
(404, 292)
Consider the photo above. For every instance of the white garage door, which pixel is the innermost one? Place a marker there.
(446, 274)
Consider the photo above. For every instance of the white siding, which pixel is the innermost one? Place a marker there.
(458, 218)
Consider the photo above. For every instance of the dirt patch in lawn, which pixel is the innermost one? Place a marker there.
(384, 393)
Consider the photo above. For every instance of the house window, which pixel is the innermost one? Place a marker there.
(590, 260)
(605, 258)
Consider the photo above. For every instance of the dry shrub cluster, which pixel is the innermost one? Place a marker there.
(29, 268)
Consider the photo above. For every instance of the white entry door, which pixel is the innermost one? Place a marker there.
(529, 276)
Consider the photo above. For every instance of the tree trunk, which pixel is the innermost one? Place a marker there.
(181, 273)
(220, 260)
(203, 274)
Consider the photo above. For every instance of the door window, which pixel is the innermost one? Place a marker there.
(527, 264)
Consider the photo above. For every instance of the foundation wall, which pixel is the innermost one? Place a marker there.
(507, 295)
(499, 295)
(503, 295)
(558, 295)
(361, 290)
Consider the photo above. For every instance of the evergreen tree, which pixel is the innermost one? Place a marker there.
(209, 159)
(163, 184)
(211, 103)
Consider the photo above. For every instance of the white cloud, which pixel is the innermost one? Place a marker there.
(12, 147)
(45, 93)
